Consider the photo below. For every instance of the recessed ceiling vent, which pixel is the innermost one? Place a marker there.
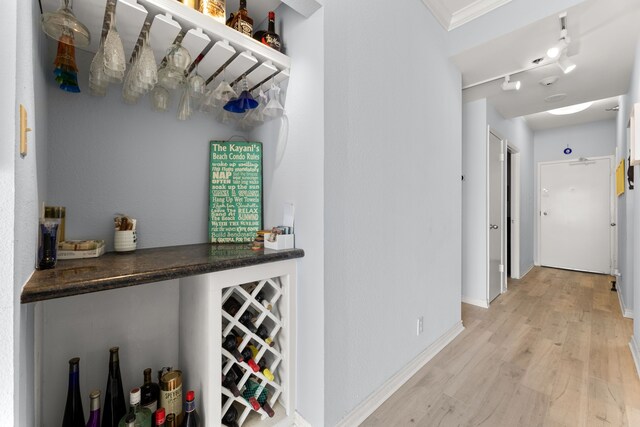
(537, 61)
(548, 81)
(556, 98)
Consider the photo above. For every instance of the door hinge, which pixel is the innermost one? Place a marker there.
(501, 268)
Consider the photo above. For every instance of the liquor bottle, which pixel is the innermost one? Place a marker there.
(270, 37)
(94, 415)
(241, 20)
(191, 418)
(150, 392)
(264, 334)
(247, 356)
(246, 320)
(142, 415)
(230, 417)
(114, 404)
(193, 4)
(171, 420)
(229, 344)
(160, 417)
(214, 9)
(73, 413)
(229, 381)
(130, 420)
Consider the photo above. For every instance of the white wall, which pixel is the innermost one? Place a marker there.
(586, 140)
(294, 173)
(474, 202)
(8, 119)
(517, 132)
(625, 213)
(392, 194)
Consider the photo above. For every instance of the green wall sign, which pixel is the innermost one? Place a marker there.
(235, 191)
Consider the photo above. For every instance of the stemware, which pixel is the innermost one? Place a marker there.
(274, 108)
(64, 22)
(114, 59)
(160, 99)
(243, 102)
(184, 108)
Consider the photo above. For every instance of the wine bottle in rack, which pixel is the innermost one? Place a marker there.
(262, 299)
(231, 306)
(247, 356)
(114, 403)
(249, 392)
(230, 381)
(261, 394)
(191, 418)
(263, 333)
(270, 37)
(230, 345)
(230, 417)
(246, 319)
(142, 415)
(73, 413)
(150, 392)
(94, 405)
(160, 417)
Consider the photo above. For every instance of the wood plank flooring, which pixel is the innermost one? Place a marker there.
(552, 351)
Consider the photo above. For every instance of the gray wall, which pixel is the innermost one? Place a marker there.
(293, 173)
(392, 194)
(625, 214)
(587, 140)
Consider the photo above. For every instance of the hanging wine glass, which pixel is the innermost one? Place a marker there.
(243, 102)
(274, 108)
(114, 59)
(160, 99)
(63, 21)
(184, 108)
(66, 70)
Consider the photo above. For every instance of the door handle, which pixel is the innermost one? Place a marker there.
(613, 224)
(493, 227)
(544, 213)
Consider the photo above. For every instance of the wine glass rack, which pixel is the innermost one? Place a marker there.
(268, 355)
(224, 50)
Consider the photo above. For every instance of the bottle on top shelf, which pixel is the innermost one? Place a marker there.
(214, 8)
(150, 392)
(191, 418)
(94, 415)
(270, 37)
(263, 333)
(193, 4)
(114, 403)
(229, 344)
(142, 415)
(230, 417)
(242, 21)
(160, 417)
(73, 413)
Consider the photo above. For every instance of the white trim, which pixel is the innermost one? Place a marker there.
(473, 11)
(476, 302)
(528, 270)
(515, 210)
(440, 12)
(625, 311)
(635, 354)
(299, 421)
(378, 397)
(503, 213)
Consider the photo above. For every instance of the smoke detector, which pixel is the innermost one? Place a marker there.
(548, 81)
(556, 98)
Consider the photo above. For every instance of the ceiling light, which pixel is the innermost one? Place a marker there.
(565, 64)
(509, 85)
(572, 109)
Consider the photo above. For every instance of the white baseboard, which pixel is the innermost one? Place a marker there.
(378, 397)
(635, 353)
(301, 422)
(625, 311)
(476, 302)
(527, 270)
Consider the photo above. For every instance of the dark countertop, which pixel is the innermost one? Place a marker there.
(113, 271)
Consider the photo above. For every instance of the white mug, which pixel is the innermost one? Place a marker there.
(125, 241)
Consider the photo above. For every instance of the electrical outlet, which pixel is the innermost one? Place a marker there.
(420, 325)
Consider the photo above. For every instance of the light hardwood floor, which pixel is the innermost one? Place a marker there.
(552, 351)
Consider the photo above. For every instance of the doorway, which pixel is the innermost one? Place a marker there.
(576, 214)
(513, 212)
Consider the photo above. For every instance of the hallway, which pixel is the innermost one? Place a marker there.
(552, 351)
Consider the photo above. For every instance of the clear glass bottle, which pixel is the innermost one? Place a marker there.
(215, 9)
(73, 413)
(94, 415)
(142, 415)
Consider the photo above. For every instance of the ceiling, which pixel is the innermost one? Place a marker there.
(603, 35)
(597, 111)
(454, 13)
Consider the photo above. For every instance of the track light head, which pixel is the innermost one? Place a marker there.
(509, 85)
(565, 64)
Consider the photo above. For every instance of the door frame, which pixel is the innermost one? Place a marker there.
(613, 235)
(503, 209)
(515, 211)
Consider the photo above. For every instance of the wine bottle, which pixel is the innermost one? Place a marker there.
(242, 21)
(229, 381)
(94, 415)
(229, 344)
(261, 297)
(160, 417)
(114, 404)
(231, 306)
(249, 393)
(191, 418)
(130, 420)
(246, 319)
(73, 413)
(264, 334)
(270, 37)
(171, 420)
(261, 394)
(247, 356)
(230, 417)
(142, 415)
(150, 392)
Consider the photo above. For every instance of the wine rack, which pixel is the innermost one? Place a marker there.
(268, 353)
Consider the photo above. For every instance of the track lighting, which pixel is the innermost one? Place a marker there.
(509, 85)
(558, 48)
(565, 64)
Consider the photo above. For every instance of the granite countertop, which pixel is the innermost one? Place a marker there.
(114, 270)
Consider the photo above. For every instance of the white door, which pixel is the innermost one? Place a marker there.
(575, 215)
(496, 215)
